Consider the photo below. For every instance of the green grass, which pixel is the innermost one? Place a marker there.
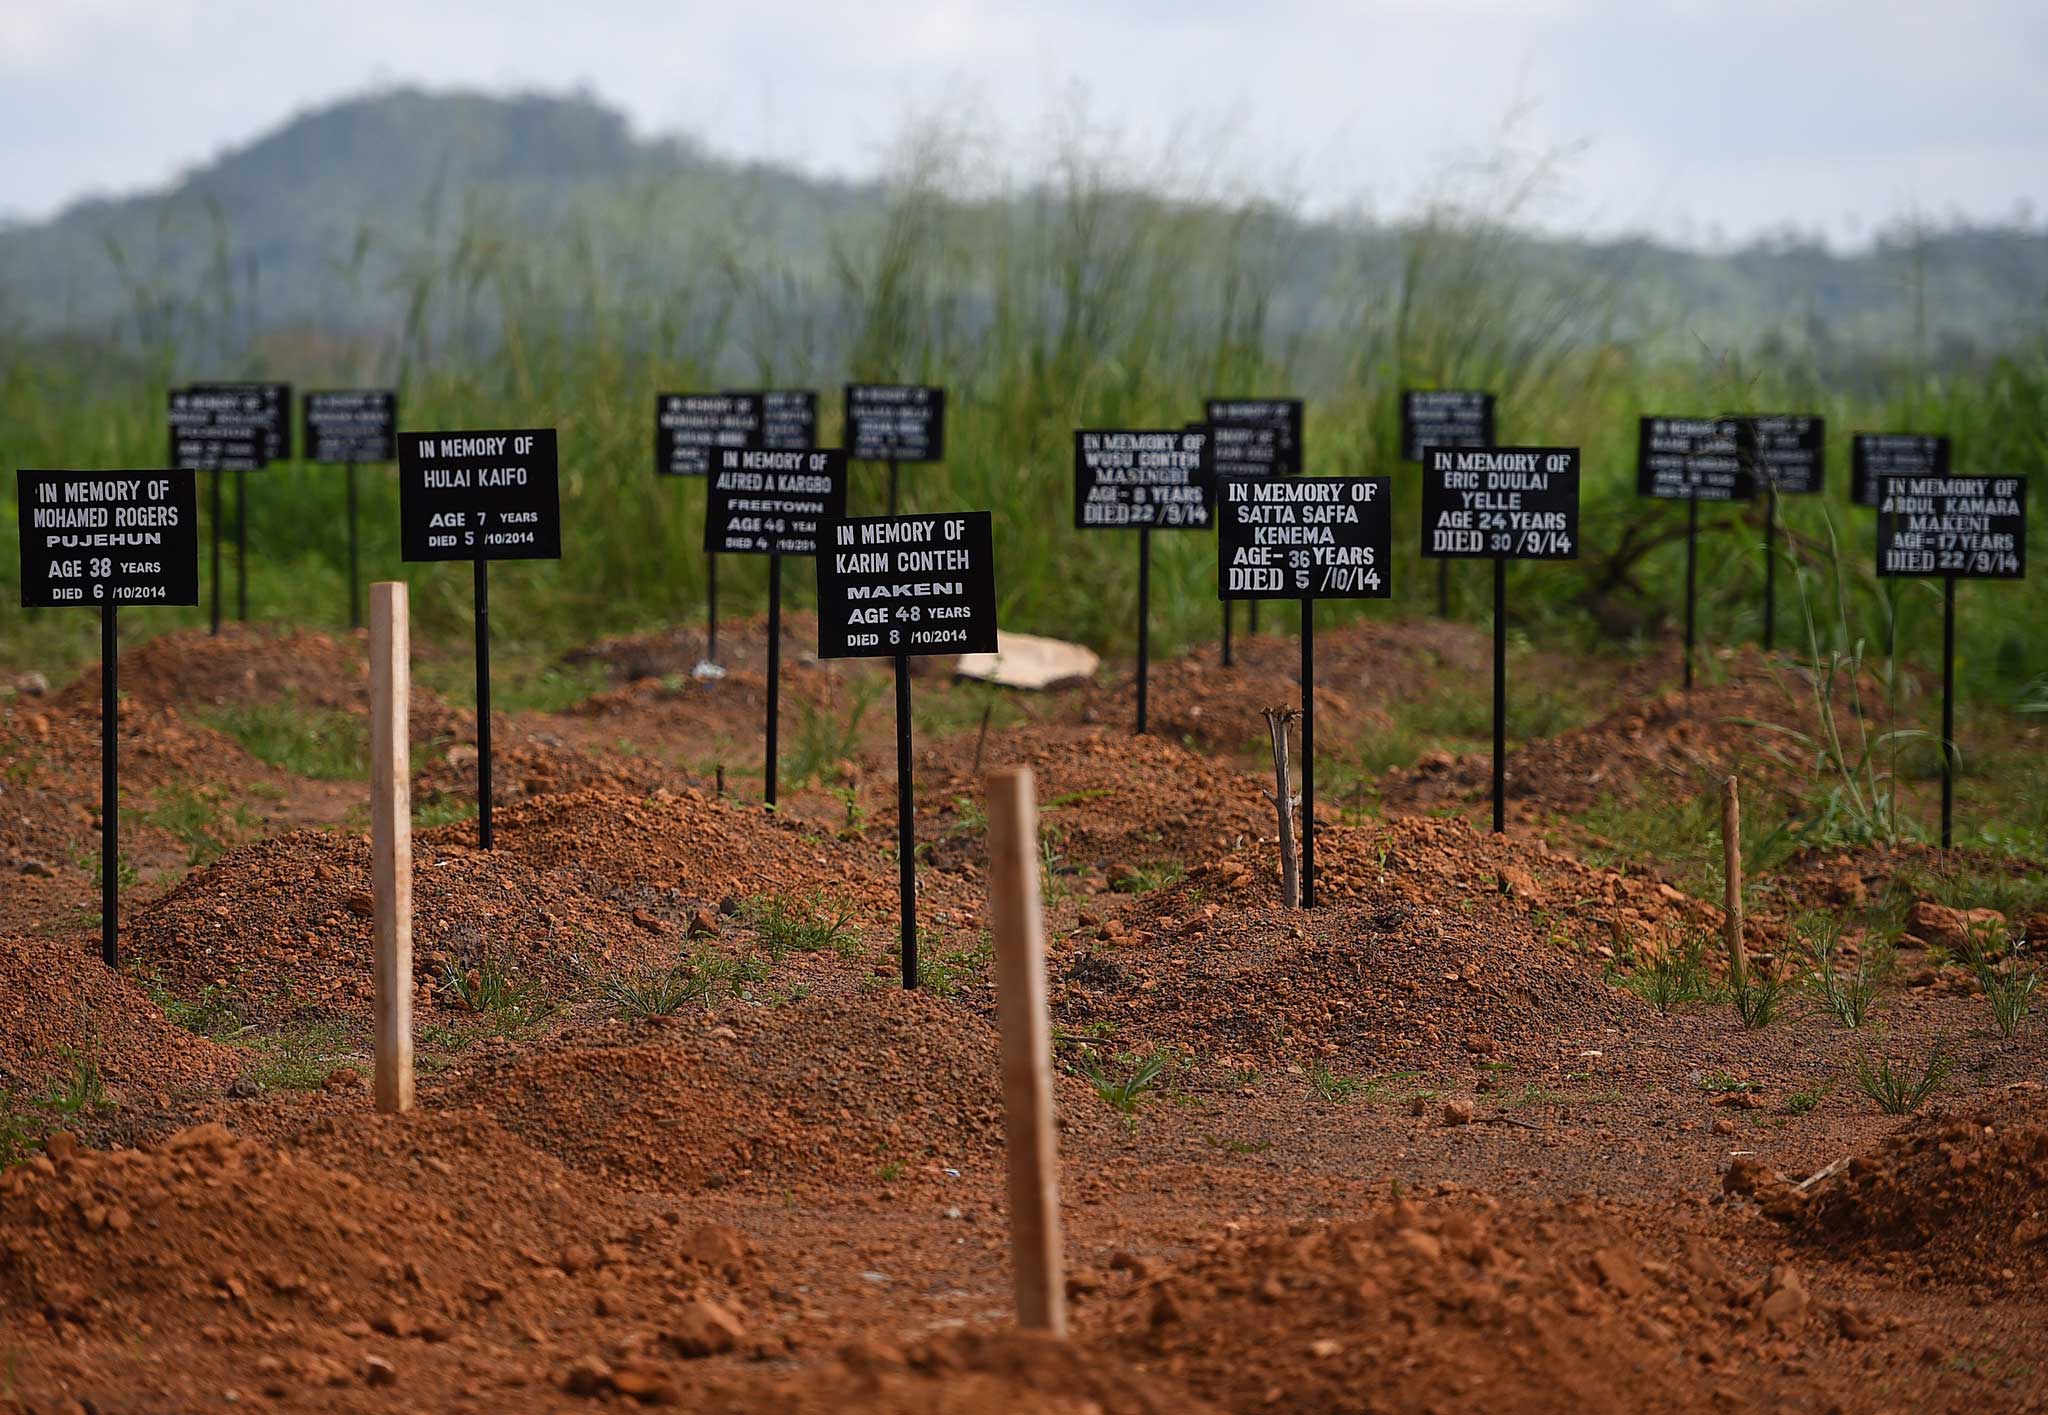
(1670, 976)
(201, 820)
(503, 1002)
(299, 1057)
(810, 923)
(1896, 1084)
(657, 992)
(1123, 1081)
(326, 744)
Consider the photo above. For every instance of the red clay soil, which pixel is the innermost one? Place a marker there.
(1471, 1307)
(245, 664)
(1665, 746)
(61, 1007)
(810, 1098)
(579, 883)
(1426, 936)
(1956, 1196)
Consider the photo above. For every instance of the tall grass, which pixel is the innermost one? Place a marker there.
(1082, 299)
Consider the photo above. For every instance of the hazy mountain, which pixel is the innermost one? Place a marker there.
(342, 219)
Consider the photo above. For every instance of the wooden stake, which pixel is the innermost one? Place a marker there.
(1731, 861)
(1284, 801)
(391, 841)
(1026, 1029)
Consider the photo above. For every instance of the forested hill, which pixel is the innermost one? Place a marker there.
(337, 221)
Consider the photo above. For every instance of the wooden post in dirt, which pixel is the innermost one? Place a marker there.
(391, 842)
(1026, 1030)
(1283, 799)
(1731, 862)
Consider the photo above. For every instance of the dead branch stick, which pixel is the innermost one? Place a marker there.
(1829, 1173)
(1284, 801)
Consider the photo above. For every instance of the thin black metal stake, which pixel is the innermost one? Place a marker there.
(242, 548)
(1692, 555)
(906, 826)
(1500, 692)
(892, 486)
(214, 518)
(355, 594)
(483, 702)
(711, 607)
(1144, 619)
(110, 788)
(1771, 570)
(1443, 589)
(774, 665)
(1251, 615)
(1308, 753)
(1228, 605)
(1948, 709)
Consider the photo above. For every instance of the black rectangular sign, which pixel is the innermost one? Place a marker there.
(891, 422)
(1444, 417)
(227, 427)
(95, 538)
(351, 425)
(763, 502)
(1519, 503)
(1784, 451)
(890, 585)
(479, 495)
(689, 427)
(1254, 437)
(1691, 459)
(233, 410)
(789, 420)
(1974, 528)
(1304, 537)
(1142, 480)
(1873, 456)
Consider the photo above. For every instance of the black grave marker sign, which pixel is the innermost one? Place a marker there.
(1142, 480)
(891, 587)
(1254, 437)
(1965, 528)
(1502, 504)
(229, 427)
(895, 422)
(346, 426)
(1873, 456)
(1784, 452)
(1444, 417)
(765, 502)
(102, 540)
(789, 419)
(1692, 460)
(108, 538)
(689, 427)
(773, 503)
(1521, 503)
(1303, 537)
(1957, 528)
(480, 496)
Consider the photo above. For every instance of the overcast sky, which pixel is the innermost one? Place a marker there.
(1699, 120)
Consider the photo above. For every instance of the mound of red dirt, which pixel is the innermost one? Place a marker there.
(386, 1252)
(1427, 936)
(61, 1007)
(1958, 1196)
(1672, 743)
(1466, 1308)
(1104, 798)
(244, 664)
(578, 882)
(966, 1373)
(537, 763)
(817, 1095)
